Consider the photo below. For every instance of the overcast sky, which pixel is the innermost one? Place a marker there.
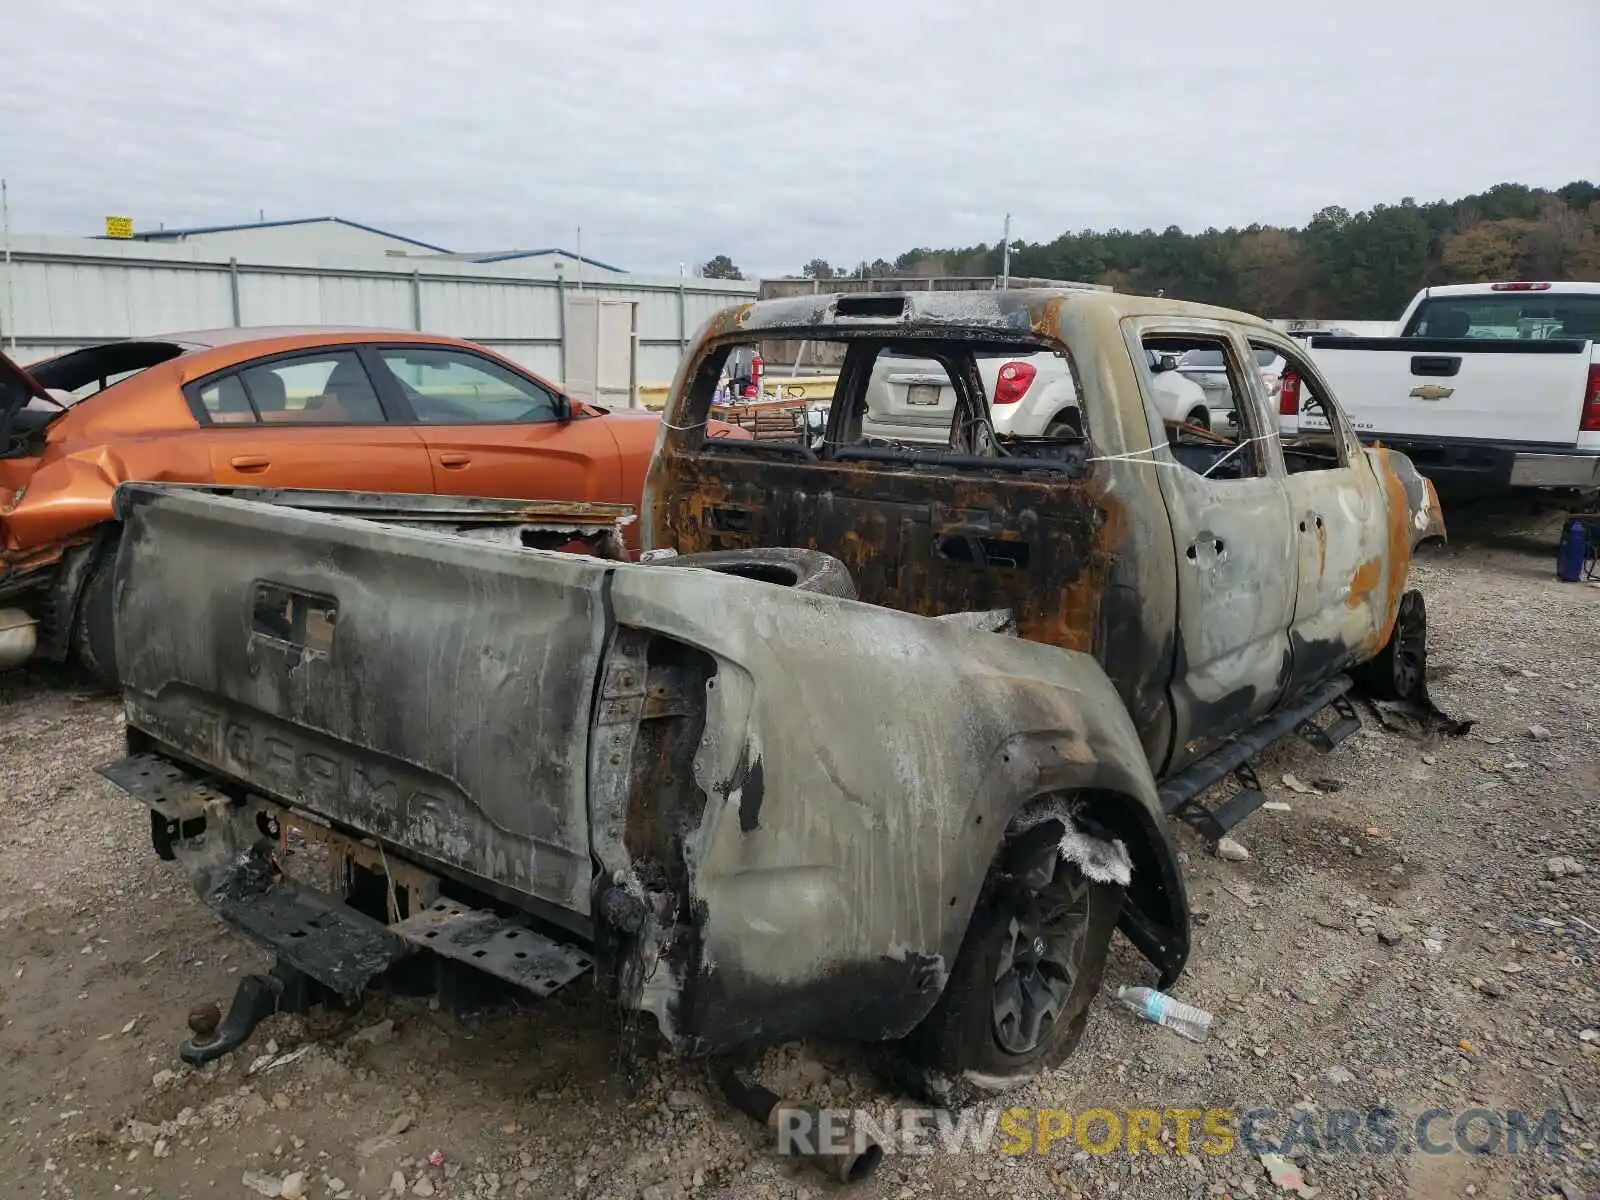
(782, 129)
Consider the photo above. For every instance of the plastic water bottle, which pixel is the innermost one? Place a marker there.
(1161, 1009)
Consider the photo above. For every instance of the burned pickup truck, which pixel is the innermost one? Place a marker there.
(886, 752)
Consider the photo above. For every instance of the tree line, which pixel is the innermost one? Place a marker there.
(1363, 265)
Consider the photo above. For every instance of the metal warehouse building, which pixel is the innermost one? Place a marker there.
(570, 319)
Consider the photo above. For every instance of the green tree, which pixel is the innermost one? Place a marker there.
(1579, 195)
(1340, 264)
(817, 268)
(1488, 250)
(1270, 277)
(721, 267)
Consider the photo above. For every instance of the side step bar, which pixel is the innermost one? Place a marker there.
(1180, 795)
(505, 949)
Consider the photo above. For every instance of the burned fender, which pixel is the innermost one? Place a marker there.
(1424, 515)
(795, 799)
(1111, 802)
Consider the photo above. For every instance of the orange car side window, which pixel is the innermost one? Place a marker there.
(453, 387)
(308, 389)
(331, 389)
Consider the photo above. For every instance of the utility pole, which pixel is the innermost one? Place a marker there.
(1005, 257)
(580, 258)
(5, 235)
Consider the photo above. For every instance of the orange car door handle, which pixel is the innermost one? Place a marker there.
(454, 460)
(250, 462)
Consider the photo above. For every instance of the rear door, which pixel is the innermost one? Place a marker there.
(492, 431)
(310, 419)
(1235, 548)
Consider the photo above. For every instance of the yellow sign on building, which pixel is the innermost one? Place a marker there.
(119, 227)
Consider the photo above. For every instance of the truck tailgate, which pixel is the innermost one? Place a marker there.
(1510, 391)
(428, 690)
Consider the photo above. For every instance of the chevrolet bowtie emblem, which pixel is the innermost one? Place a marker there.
(1432, 391)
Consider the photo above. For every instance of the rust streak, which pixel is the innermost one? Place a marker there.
(1399, 549)
(1365, 582)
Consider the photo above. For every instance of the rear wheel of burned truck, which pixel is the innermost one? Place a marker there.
(1018, 997)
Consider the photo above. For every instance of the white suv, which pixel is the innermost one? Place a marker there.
(1030, 395)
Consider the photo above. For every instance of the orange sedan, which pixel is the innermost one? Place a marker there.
(356, 409)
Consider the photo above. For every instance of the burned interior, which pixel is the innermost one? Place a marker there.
(914, 409)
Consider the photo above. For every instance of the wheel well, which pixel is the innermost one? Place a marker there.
(1069, 414)
(1155, 907)
(65, 591)
(1205, 414)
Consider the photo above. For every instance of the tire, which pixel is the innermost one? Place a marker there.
(94, 639)
(1201, 418)
(1400, 670)
(1065, 424)
(1009, 1011)
(787, 566)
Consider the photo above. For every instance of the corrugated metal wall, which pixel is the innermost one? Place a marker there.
(69, 292)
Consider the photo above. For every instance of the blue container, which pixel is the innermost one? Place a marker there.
(1571, 552)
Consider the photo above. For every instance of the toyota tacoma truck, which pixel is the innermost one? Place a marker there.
(879, 742)
(1485, 386)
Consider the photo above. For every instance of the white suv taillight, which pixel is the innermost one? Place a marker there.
(1014, 381)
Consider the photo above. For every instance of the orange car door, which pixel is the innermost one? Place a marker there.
(493, 431)
(311, 419)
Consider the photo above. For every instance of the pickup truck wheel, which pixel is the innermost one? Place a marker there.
(788, 566)
(1032, 960)
(94, 642)
(1400, 670)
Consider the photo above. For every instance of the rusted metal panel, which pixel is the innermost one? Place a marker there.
(1084, 563)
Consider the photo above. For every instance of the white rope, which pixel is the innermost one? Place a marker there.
(1140, 456)
(1131, 455)
(1258, 438)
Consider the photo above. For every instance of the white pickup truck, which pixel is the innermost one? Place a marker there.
(1485, 386)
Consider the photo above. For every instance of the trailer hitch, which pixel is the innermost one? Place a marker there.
(257, 997)
(831, 1142)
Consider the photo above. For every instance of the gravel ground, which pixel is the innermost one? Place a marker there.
(1421, 933)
